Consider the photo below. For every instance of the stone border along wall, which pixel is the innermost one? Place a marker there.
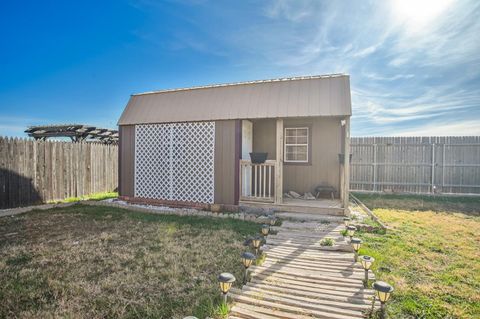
(138, 208)
(179, 211)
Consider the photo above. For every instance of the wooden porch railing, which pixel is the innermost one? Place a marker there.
(257, 181)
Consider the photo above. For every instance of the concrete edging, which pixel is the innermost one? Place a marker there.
(178, 211)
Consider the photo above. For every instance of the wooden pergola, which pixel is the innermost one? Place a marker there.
(76, 132)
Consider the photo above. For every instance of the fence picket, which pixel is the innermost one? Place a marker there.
(37, 171)
(416, 164)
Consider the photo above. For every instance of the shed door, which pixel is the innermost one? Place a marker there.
(175, 161)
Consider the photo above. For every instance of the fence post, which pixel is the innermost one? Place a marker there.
(443, 167)
(433, 169)
(374, 167)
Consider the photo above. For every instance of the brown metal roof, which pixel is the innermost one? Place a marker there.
(325, 95)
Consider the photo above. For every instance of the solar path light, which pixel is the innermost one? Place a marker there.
(350, 231)
(273, 220)
(256, 242)
(366, 262)
(265, 230)
(247, 260)
(382, 291)
(346, 221)
(226, 280)
(356, 243)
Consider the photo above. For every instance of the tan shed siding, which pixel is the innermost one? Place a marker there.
(316, 96)
(325, 147)
(126, 160)
(226, 161)
(264, 135)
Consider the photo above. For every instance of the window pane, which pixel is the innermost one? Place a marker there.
(296, 144)
(302, 132)
(301, 157)
(290, 149)
(290, 140)
(301, 149)
(290, 132)
(302, 140)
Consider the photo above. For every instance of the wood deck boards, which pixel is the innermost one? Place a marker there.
(302, 279)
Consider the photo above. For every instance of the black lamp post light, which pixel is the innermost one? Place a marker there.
(247, 260)
(226, 280)
(356, 243)
(382, 291)
(351, 231)
(265, 229)
(256, 242)
(366, 262)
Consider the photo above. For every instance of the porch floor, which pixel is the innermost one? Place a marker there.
(321, 203)
(318, 206)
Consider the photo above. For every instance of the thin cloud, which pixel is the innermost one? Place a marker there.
(442, 128)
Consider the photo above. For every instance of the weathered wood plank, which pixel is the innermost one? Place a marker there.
(32, 172)
(297, 311)
(414, 164)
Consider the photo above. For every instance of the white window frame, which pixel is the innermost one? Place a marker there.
(285, 144)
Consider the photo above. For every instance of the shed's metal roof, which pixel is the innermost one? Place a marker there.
(322, 95)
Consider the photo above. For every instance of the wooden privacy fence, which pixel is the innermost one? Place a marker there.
(416, 164)
(37, 171)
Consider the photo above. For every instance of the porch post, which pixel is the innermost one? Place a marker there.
(346, 167)
(279, 164)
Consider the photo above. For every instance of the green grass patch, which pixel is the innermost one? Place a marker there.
(103, 262)
(414, 202)
(95, 196)
(430, 257)
(327, 242)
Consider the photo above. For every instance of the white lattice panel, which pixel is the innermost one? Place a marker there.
(175, 161)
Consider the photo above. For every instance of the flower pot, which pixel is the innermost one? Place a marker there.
(258, 157)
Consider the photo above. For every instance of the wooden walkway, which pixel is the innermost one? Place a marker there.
(301, 279)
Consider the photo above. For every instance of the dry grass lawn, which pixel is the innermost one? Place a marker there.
(100, 262)
(432, 257)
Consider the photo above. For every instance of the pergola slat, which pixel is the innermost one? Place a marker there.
(77, 132)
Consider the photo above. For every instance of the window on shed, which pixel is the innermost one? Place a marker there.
(296, 144)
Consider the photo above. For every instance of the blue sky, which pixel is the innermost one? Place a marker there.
(414, 64)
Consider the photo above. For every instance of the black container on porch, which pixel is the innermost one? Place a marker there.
(258, 157)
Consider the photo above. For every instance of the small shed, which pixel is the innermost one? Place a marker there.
(192, 146)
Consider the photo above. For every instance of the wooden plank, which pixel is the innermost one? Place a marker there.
(256, 312)
(311, 274)
(317, 299)
(281, 279)
(297, 311)
(3, 173)
(356, 296)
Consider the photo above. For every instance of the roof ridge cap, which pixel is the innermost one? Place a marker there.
(295, 78)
